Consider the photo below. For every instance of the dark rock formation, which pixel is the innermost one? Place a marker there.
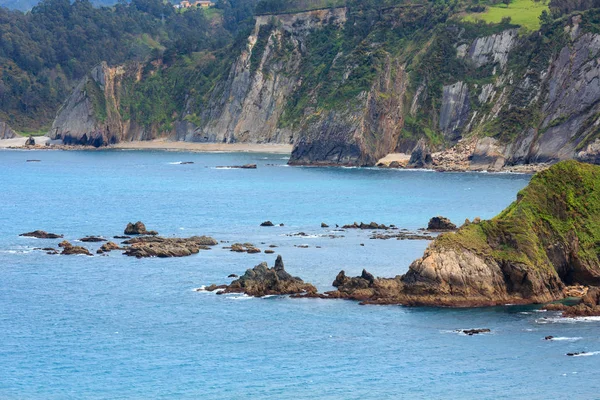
(471, 332)
(138, 229)
(156, 246)
(324, 225)
(440, 224)
(420, 156)
(30, 141)
(372, 225)
(232, 276)
(267, 223)
(262, 281)
(69, 249)
(42, 235)
(245, 166)
(269, 252)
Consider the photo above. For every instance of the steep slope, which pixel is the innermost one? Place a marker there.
(547, 238)
(91, 115)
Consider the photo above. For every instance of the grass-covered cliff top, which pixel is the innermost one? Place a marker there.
(559, 207)
(525, 13)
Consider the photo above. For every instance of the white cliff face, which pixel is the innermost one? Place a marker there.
(493, 49)
(455, 110)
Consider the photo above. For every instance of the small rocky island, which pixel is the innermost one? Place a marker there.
(262, 281)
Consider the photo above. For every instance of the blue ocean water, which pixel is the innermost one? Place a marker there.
(117, 327)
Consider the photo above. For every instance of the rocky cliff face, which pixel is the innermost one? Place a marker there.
(91, 115)
(247, 106)
(6, 132)
(516, 98)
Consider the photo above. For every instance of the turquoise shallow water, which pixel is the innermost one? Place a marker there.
(117, 327)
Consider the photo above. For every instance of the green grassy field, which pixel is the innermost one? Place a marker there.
(525, 13)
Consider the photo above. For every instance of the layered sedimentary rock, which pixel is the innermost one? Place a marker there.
(544, 240)
(6, 132)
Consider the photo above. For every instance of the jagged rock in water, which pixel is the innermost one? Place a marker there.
(440, 223)
(138, 229)
(420, 156)
(156, 246)
(262, 281)
(6, 132)
(324, 225)
(42, 235)
(267, 223)
(69, 249)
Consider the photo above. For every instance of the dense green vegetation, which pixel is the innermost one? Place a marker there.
(44, 52)
(559, 208)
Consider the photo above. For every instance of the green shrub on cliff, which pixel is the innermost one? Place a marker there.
(553, 224)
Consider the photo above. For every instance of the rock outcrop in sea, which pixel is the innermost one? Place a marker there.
(263, 281)
(138, 229)
(156, 246)
(42, 235)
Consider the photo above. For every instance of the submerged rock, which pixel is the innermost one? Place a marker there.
(42, 235)
(92, 239)
(245, 166)
(138, 229)
(471, 332)
(156, 246)
(262, 281)
(440, 223)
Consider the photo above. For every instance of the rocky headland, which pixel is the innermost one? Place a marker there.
(542, 242)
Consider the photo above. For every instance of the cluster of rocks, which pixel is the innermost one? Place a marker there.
(245, 166)
(156, 246)
(402, 236)
(262, 281)
(455, 158)
(371, 225)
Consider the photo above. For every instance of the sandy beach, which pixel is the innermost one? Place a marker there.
(204, 147)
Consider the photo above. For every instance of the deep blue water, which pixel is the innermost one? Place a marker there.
(118, 327)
